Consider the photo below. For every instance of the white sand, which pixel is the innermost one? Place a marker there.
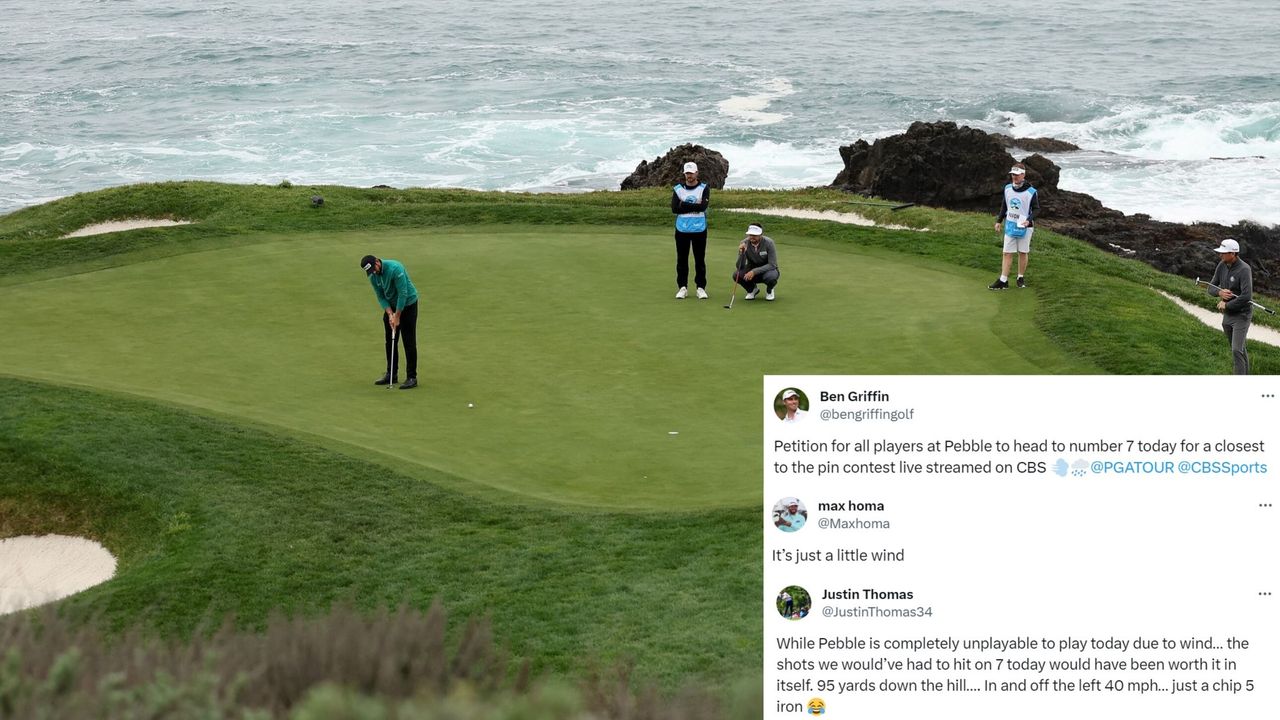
(122, 225)
(848, 218)
(39, 570)
(1214, 320)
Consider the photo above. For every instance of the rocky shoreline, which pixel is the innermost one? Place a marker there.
(940, 164)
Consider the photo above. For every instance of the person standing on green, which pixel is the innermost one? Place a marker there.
(399, 300)
(689, 201)
(1232, 284)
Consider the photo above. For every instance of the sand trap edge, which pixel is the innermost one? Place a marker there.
(123, 225)
(35, 570)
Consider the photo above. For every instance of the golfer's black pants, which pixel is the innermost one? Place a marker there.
(697, 241)
(408, 333)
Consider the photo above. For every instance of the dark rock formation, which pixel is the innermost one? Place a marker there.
(1037, 145)
(668, 170)
(961, 168)
(930, 164)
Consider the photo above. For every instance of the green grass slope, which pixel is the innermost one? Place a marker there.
(211, 518)
(578, 360)
(199, 397)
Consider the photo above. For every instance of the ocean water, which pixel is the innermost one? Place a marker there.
(1178, 104)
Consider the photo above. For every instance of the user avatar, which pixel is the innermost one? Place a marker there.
(789, 514)
(793, 602)
(791, 405)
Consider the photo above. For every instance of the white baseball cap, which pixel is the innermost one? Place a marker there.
(691, 167)
(789, 393)
(755, 230)
(1228, 246)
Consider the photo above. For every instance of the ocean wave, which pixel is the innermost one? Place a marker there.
(773, 164)
(750, 109)
(1177, 130)
(1182, 191)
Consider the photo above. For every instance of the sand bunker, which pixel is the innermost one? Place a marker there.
(39, 570)
(122, 225)
(848, 218)
(1214, 320)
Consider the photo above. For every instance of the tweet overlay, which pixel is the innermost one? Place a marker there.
(998, 547)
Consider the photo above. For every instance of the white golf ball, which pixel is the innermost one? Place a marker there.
(471, 404)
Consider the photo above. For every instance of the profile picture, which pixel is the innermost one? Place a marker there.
(789, 514)
(794, 602)
(791, 405)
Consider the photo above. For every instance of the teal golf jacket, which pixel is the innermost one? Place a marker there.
(392, 286)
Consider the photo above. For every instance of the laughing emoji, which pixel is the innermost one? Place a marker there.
(816, 707)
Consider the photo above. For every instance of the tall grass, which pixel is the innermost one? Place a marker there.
(387, 664)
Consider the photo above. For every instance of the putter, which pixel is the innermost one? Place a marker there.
(733, 294)
(392, 377)
(1206, 283)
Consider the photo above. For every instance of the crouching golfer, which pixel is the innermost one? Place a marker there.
(1232, 284)
(757, 263)
(399, 300)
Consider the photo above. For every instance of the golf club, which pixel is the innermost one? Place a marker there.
(1206, 283)
(392, 377)
(733, 294)
(891, 206)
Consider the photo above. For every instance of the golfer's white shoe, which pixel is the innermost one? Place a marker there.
(682, 293)
(702, 294)
(768, 295)
(751, 295)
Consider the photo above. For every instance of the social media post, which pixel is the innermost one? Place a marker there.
(1020, 546)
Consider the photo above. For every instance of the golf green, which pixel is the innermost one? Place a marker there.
(568, 341)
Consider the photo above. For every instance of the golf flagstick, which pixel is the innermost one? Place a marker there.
(1257, 305)
(391, 379)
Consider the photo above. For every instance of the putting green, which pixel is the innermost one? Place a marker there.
(568, 341)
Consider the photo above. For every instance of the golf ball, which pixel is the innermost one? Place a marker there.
(471, 404)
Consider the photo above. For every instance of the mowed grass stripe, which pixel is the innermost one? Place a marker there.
(568, 341)
(210, 518)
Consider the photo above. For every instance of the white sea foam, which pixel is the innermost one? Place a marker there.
(1187, 191)
(769, 164)
(1173, 160)
(750, 108)
(522, 95)
(1177, 131)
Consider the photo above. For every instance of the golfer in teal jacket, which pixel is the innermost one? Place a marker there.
(399, 300)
